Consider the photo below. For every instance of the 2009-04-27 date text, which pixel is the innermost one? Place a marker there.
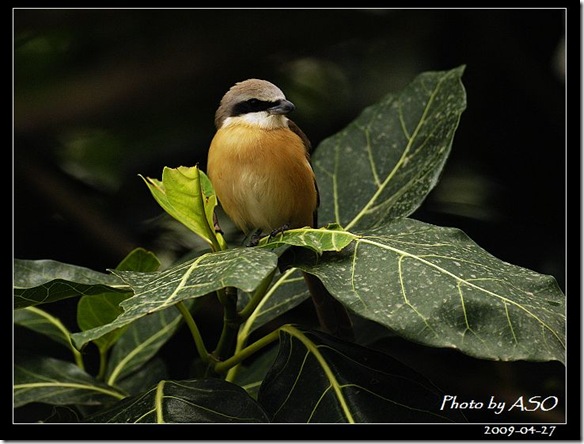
(523, 430)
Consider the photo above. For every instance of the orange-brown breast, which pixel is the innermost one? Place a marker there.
(262, 177)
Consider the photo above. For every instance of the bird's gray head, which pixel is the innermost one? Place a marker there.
(255, 101)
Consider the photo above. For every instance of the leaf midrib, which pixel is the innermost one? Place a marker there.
(312, 348)
(72, 385)
(399, 163)
(465, 282)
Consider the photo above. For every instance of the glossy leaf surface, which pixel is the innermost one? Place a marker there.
(384, 163)
(52, 381)
(435, 286)
(318, 378)
(44, 323)
(243, 268)
(193, 401)
(140, 342)
(43, 281)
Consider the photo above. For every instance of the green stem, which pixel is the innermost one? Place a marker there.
(199, 344)
(231, 322)
(222, 296)
(102, 364)
(222, 367)
(257, 297)
(250, 313)
(78, 358)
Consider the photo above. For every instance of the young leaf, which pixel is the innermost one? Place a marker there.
(194, 401)
(180, 195)
(210, 202)
(318, 378)
(435, 286)
(51, 381)
(385, 162)
(329, 238)
(44, 281)
(243, 268)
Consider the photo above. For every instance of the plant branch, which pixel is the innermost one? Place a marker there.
(78, 358)
(222, 367)
(257, 297)
(199, 344)
(250, 313)
(231, 322)
(102, 363)
(232, 319)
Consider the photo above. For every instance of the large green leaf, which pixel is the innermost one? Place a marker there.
(318, 378)
(243, 268)
(43, 281)
(194, 401)
(385, 162)
(52, 381)
(435, 286)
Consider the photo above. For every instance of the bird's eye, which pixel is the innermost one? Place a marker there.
(250, 106)
(255, 105)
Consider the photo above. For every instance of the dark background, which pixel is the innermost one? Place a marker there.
(102, 95)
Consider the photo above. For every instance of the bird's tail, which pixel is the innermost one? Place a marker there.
(332, 315)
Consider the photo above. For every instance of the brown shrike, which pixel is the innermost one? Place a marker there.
(259, 165)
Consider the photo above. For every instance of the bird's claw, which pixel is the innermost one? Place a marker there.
(277, 231)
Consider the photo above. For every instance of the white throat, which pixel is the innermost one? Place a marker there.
(261, 119)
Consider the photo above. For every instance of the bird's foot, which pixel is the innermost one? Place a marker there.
(277, 231)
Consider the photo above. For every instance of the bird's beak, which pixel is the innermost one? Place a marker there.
(284, 107)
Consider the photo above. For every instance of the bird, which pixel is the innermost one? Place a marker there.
(259, 165)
